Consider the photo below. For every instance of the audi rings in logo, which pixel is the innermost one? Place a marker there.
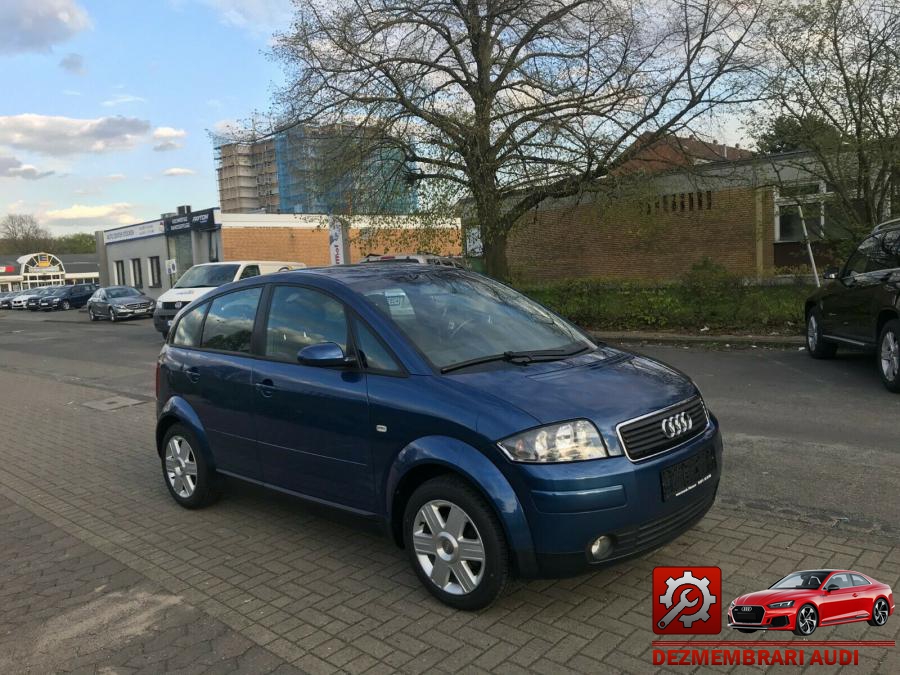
(677, 424)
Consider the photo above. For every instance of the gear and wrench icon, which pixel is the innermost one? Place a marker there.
(688, 579)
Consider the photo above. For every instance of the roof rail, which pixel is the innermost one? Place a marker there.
(887, 223)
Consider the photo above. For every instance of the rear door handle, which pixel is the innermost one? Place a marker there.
(265, 387)
(193, 373)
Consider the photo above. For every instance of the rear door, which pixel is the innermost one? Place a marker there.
(214, 376)
(312, 423)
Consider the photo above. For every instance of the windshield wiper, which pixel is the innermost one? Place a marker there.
(530, 356)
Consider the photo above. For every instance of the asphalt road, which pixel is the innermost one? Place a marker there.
(814, 440)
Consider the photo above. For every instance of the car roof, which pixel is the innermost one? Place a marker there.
(362, 271)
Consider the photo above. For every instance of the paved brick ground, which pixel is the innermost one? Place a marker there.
(101, 571)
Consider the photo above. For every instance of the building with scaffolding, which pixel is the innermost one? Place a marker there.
(315, 170)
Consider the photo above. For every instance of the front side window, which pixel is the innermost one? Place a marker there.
(861, 260)
(453, 317)
(373, 353)
(207, 276)
(229, 322)
(840, 580)
(299, 317)
(187, 334)
(250, 271)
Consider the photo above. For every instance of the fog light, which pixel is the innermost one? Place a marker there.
(601, 547)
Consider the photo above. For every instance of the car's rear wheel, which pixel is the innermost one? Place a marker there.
(189, 478)
(455, 543)
(807, 621)
(889, 355)
(880, 613)
(818, 346)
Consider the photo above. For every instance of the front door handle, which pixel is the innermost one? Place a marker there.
(193, 374)
(266, 388)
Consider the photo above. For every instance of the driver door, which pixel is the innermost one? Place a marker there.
(838, 604)
(846, 313)
(312, 423)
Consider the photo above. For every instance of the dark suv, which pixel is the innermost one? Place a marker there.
(860, 307)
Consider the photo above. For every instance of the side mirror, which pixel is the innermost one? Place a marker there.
(324, 355)
(832, 587)
(831, 272)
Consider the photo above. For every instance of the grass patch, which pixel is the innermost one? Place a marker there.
(706, 297)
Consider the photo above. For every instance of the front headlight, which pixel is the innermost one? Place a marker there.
(781, 605)
(567, 442)
(731, 605)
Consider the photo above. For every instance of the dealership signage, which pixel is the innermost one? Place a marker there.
(139, 231)
(198, 221)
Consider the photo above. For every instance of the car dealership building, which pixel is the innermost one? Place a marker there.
(34, 270)
(152, 255)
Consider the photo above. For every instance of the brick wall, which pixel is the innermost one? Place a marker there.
(310, 246)
(659, 237)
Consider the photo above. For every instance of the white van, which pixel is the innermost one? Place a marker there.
(202, 278)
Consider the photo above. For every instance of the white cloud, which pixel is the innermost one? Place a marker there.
(257, 16)
(168, 138)
(10, 167)
(119, 212)
(116, 177)
(122, 99)
(178, 171)
(73, 63)
(37, 25)
(59, 136)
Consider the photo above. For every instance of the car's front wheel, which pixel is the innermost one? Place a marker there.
(66, 304)
(91, 315)
(880, 612)
(807, 621)
(189, 478)
(455, 543)
(112, 314)
(889, 355)
(818, 347)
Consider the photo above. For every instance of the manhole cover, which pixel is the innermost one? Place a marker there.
(112, 403)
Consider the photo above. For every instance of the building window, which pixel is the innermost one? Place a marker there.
(690, 201)
(790, 201)
(137, 274)
(120, 272)
(155, 272)
(708, 200)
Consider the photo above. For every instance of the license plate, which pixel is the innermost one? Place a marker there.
(685, 476)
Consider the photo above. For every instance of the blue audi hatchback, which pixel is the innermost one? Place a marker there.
(490, 437)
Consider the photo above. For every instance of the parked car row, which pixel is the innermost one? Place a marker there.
(48, 298)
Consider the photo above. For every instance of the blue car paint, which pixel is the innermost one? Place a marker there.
(549, 512)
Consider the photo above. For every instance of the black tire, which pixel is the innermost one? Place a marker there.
(889, 363)
(112, 315)
(206, 484)
(817, 346)
(482, 524)
(66, 304)
(746, 630)
(882, 604)
(806, 632)
(91, 315)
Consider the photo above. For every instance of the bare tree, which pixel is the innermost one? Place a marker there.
(833, 81)
(514, 101)
(23, 234)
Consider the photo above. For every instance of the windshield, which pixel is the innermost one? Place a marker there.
(207, 276)
(121, 292)
(454, 318)
(60, 291)
(812, 579)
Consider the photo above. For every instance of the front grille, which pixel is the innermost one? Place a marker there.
(644, 437)
(138, 305)
(657, 532)
(754, 615)
(171, 305)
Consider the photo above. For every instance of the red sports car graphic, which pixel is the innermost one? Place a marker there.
(803, 601)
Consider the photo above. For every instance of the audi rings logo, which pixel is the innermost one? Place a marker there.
(677, 425)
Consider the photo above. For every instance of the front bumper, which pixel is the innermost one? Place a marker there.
(123, 311)
(783, 618)
(162, 319)
(569, 505)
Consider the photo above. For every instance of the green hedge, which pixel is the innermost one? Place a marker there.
(705, 297)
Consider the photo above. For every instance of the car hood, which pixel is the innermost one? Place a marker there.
(771, 595)
(132, 299)
(185, 295)
(607, 386)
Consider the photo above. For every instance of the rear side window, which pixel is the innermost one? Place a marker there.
(187, 333)
(229, 322)
(299, 317)
(860, 580)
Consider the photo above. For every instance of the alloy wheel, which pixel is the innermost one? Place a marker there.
(181, 466)
(448, 547)
(65, 304)
(812, 332)
(807, 619)
(880, 612)
(890, 356)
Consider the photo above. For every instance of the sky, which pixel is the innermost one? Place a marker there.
(107, 105)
